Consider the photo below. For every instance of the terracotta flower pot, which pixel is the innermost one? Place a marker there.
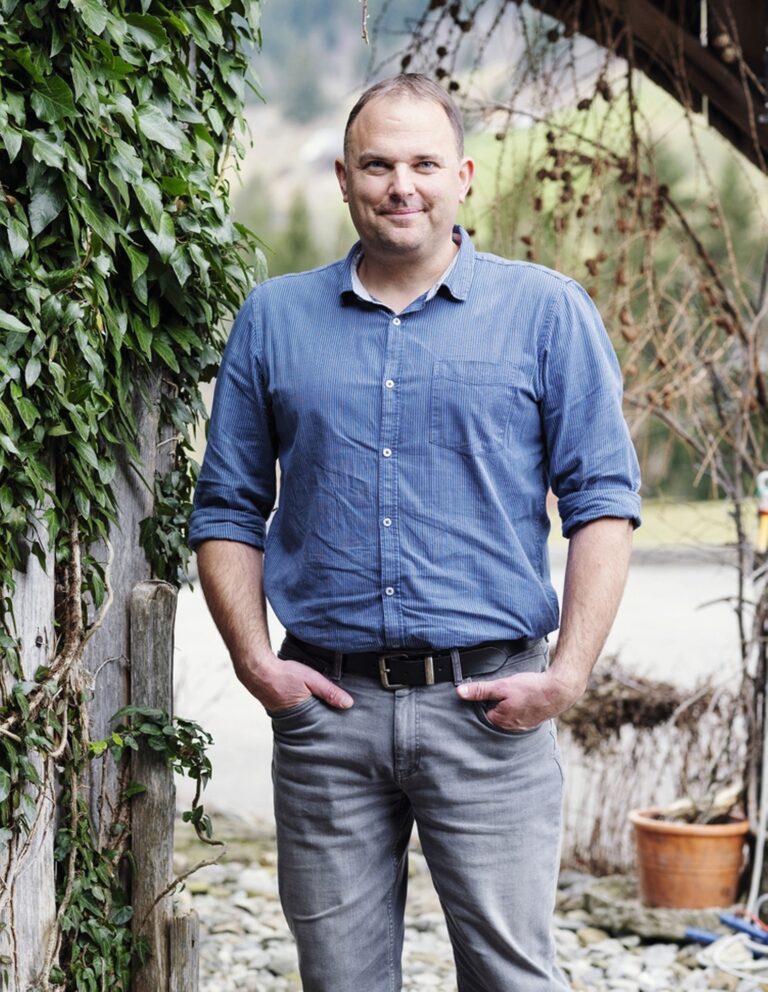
(688, 865)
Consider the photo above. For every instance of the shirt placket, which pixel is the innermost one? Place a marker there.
(389, 438)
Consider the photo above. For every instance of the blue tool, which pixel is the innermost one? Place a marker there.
(700, 936)
(743, 926)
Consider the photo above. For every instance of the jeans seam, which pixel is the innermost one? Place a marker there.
(390, 922)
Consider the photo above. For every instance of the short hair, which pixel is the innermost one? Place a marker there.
(418, 86)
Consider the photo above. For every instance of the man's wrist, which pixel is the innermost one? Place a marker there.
(569, 683)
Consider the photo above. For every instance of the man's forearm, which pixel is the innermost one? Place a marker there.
(595, 575)
(598, 558)
(232, 577)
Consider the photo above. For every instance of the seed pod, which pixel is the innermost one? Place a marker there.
(625, 317)
(526, 239)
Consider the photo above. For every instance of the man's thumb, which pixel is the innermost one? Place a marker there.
(477, 690)
(333, 694)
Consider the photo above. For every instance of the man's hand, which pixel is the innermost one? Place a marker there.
(282, 684)
(231, 575)
(525, 700)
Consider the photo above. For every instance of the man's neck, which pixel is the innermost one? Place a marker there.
(399, 280)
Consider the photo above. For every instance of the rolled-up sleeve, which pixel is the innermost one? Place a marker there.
(593, 468)
(235, 492)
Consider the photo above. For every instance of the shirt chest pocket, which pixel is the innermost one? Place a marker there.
(471, 404)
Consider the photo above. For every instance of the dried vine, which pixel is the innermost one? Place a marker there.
(599, 174)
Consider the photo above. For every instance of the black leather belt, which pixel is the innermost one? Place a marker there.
(406, 668)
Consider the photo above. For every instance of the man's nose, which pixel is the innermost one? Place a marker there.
(401, 181)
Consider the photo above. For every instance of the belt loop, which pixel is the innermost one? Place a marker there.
(458, 675)
(338, 659)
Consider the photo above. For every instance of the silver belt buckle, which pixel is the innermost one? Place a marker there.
(429, 671)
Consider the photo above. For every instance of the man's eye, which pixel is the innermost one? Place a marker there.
(375, 165)
(427, 165)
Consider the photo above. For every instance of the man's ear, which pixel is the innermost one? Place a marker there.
(466, 174)
(341, 175)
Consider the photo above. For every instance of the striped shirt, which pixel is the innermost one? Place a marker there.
(415, 451)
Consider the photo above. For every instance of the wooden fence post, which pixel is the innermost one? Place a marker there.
(153, 610)
(27, 884)
(185, 953)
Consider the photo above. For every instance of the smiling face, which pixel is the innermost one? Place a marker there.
(403, 179)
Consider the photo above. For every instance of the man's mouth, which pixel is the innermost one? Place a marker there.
(402, 211)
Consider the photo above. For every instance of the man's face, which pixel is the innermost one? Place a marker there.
(402, 177)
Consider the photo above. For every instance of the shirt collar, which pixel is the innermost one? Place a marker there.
(455, 280)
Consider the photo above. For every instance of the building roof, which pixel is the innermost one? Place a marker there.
(709, 54)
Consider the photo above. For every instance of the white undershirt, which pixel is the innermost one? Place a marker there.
(363, 293)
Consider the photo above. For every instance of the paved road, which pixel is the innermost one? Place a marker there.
(664, 630)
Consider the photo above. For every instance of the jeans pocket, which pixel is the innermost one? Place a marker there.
(292, 711)
(481, 709)
(471, 404)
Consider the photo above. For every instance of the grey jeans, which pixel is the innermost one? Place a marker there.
(349, 785)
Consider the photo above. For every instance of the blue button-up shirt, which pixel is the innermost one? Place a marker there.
(415, 451)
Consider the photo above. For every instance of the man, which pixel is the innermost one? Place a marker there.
(421, 398)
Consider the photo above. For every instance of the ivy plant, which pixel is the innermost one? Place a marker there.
(119, 265)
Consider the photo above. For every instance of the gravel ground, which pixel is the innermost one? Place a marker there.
(246, 946)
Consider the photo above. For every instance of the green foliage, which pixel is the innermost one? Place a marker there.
(118, 264)
(118, 259)
(99, 946)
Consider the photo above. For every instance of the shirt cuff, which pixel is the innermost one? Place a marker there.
(220, 524)
(577, 509)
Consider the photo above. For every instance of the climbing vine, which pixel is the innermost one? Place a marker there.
(118, 262)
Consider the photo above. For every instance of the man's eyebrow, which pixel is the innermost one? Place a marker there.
(368, 156)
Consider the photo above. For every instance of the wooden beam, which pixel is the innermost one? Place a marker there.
(153, 611)
(671, 53)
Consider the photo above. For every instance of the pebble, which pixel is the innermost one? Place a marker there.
(245, 944)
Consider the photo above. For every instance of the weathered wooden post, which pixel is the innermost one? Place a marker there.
(185, 953)
(27, 883)
(153, 610)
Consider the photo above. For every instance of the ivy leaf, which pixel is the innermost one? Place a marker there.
(98, 221)
(149, 196)
(12, 142)
(32, 371)
(164, 240)
(154, 125)
(86, 452)
(147, 31)
(27, 411)
(164, 350)
(52, 100)
(138, 260)
(45, 206)
(211, 25)
(10, 323)
(93, 13)
(45, 150)
(126, 161)
(17, 238)
(5, 785)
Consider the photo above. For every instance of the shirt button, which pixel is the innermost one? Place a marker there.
(389, 591)
(390, 383)
(397, 321)
(387, 452)
(387, 522)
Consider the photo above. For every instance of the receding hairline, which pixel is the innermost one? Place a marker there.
(417, 87)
